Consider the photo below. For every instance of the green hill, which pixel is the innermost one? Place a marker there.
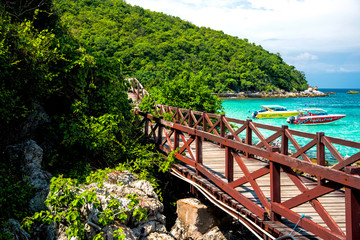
(62, 64)
(155, 47)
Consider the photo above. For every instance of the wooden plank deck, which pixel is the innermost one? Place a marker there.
(334, 203)
(214, 161)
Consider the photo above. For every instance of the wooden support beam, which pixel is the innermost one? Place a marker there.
(222, 128)
(229, 162)
(204, 123)
(199, 153)
(161, 128)
(352, 207)
(176, 137)
(191, 120)
(284, 140)
(275, 185)
(146, 132)
(248, 135)
(320, 154)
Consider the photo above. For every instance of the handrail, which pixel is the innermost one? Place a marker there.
(137, 88)
(200, 126)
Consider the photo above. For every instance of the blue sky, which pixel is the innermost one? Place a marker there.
(319, 37)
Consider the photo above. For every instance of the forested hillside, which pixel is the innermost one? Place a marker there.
(156, 48)
(62, 70)
(70, 101)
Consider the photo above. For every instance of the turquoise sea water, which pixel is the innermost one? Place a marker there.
(340, 103)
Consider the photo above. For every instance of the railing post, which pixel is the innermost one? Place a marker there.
(133, 85)
(198, 160)
(199, 155)
(159, 138)
(191, 121)
(275, 189)
(229, 162)
(320, 153)
(156, 109)
(352, 207)
(161, 111)
(138, 92)
(248, 135)
(284, 140)
(136, 119)
(177, 115)
(176, 137)
(222, 127)
(146, 125)
(204, 124)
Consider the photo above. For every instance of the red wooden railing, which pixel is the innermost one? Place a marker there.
(237, 137)
(137, 88)
(219, 129)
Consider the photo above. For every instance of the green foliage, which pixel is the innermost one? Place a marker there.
(83, 92)
(119, 234)
(15, 196)
(70, 57)
(66, 198)
(156, 48)
(188, 91)
(143, 161)
(147, 104)
(27, 57)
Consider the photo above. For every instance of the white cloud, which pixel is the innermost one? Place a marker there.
(288, 27)
(305, 56)
(321, 25)
(350, 68)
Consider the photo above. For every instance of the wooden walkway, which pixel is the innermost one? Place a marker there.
(261, 183)
(334, 203)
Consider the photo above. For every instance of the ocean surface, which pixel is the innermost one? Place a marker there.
(340, 103)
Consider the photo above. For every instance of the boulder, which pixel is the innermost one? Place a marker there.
(28, 155)
(198, 221)
(118, 187)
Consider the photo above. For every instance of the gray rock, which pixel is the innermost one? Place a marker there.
(145, 186)
(37, 202)
(159, 236)
(14, 228)
(197, 221)
(29, 156)
(214, 234)
(118, 187)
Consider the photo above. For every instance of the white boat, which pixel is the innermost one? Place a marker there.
(314, 116)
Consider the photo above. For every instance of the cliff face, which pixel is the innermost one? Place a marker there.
(120, 193)
(117, 202)
(118, 188)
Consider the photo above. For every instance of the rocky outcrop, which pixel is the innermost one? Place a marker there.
(310, 92)
(198, 221)
(117, 188)
(195, 220)
(28, 155)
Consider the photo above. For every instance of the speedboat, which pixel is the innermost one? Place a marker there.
(352, 92)
(273, 111)
(313, 116)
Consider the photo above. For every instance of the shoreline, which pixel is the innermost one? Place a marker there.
(282, 94)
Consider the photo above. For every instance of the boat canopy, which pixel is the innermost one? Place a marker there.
(273, 108)
(316, 112)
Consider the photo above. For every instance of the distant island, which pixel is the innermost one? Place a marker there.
(310, 92)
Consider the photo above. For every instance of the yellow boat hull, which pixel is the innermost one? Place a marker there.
(277, 114)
